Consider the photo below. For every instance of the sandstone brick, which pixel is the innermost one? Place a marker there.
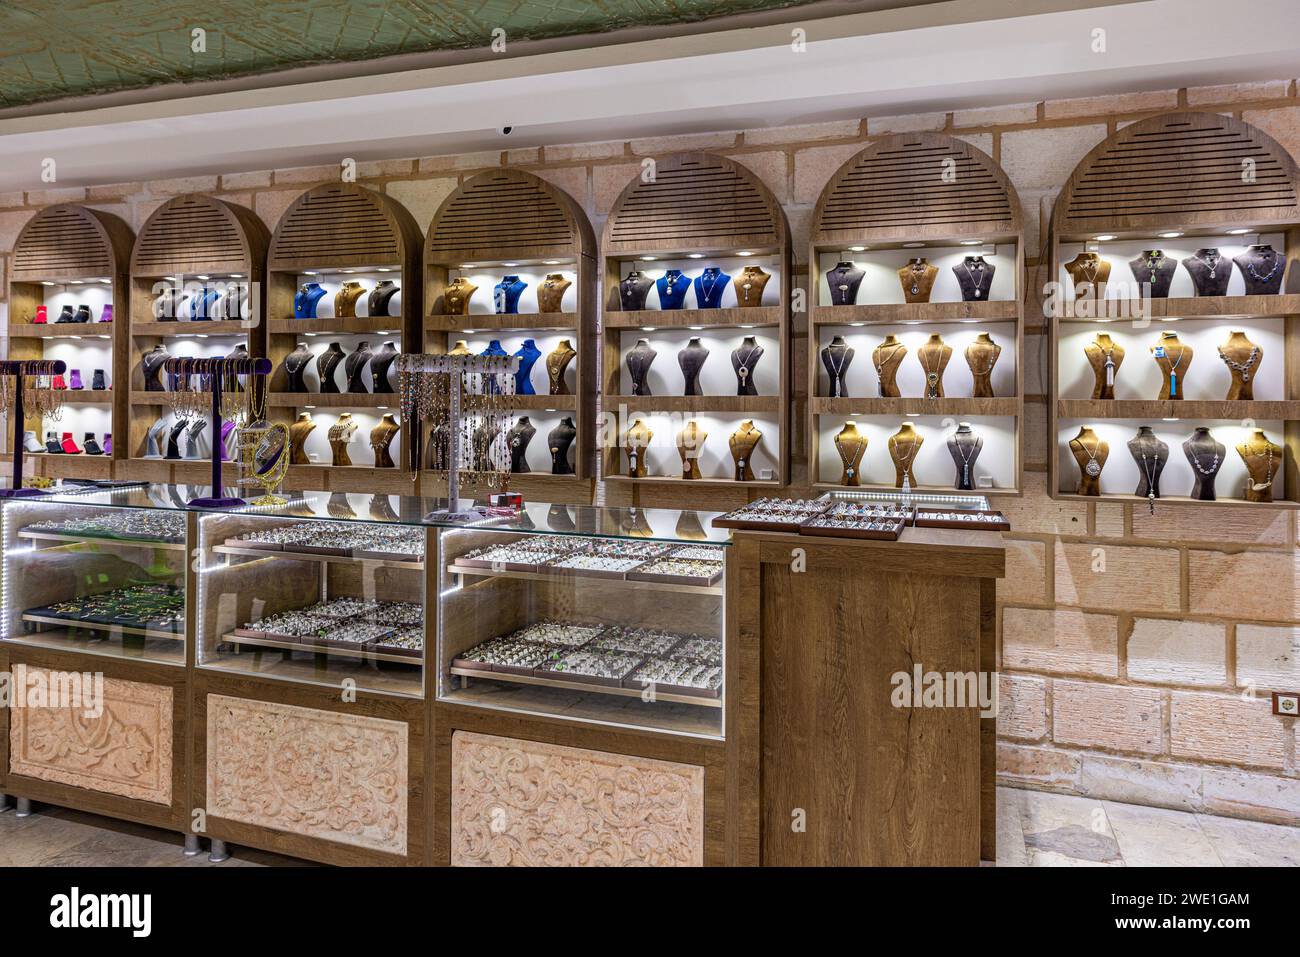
(1164, 651)
(690, 142)
(1110, 105)
(772, 168)
(1035, 433)
(11, 224)
(1250, 794)
(422, 197)
(113, 193)
(800, 220)
(460, 161)
(1038, 767)
(1252, 586)
(1060, 641)
(805, 133)
(1044, 158)
(1131, 578)
(909, 123)
(1022, 707)
(814, 167)
(1034, 512)
(52, 197)
(583, 151)
(1109, 520)
(1135, 781)
(996, 115)
(1282, 124)
(255, 180)
(309, 175)
(1026, 578)
(1237, 92)
(1035, 345)
(181, 185)
(1216, 727)
(122, 211)
(12, 200)
(142, 209)
(571, 179)
(1268, 657)
(1115, 717)
(981, 141)
(271, 205)
(374, 169)
(523, 156)
(1212, 523)
(607, 182)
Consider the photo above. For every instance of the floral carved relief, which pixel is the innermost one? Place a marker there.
(338, 777)
(525, 803)
(125, 749)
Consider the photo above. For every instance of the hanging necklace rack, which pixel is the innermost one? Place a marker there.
(12, 405)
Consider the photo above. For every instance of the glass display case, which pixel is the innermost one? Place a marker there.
(90, 577)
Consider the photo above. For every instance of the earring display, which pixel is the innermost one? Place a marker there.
(1242, 357)
(1154, 271)
(743, 360)
(1261, 268)
(852, 446)
(560, 439)
(844, 280)
(1150, 454)
(1089, 273)
(550, 294)
(381, 298)
(527, 354)
(1105, 356)
(917, 279)
(506, 293)
(635, 441)
(690, 442)
(298, 432)
(1263, 460)
(709, 287)
(639, 358)
(458, 295)
(965, 446)
(520, 434)
(381, 440)
(1091, 453)
(326, 364)
(837, 357)
(1210, 272)
(345, 300)
(933, 355)
(556, 364)
(306, 300)
(634, 290)
(749, 286)
(691, 359)
(982, 355)
(1173, 357)
(672, 287)
(1206, 454)
(354, 366)
(743, 444)
(903, 446)
(974, 278)
(341, 434)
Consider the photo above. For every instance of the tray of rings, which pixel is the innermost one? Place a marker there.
(772, 514)
(854, 526)
(986, 520)
(358, 626)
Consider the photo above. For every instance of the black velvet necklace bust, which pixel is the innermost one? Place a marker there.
(634, 290)
(380, 362)
(844, 280)
(1153, 267)
(239, 352)
(1150, 454)
(520, 434)
(1210, 272)
(691, 359)
(965, 446)
(1205, 453)
(743, 360)
(326, 363)
(837, 357)
(1261, 268)
(975, 277)
(380, 297)
(559, 440)
(152, 362)
(355, 366)
(295, 365)
(639, 358)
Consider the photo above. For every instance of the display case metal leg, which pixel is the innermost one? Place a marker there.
(4, 803)
(23, 808)
(218, 852)
(192, 848)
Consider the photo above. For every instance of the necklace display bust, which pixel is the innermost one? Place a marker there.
(709, 287)
(381, 299)
(1089, 273)
(852, 446)
(457, 296)
(345, 300)
(520, 434)
(1261, 268)
(743, 360)
(638, 361)
(295, 366)
(461, 348)
(917, 279)
(974, 278)
(844, 279)
(1173, 357)
(672, 287)
(380, 363)
(933, 355)
(354, 367)
(165, 307)
(298, 432)
(556, 364)
(1091, 453)
(1205, 453)
(635, 441)
(743, 444)
(691, 360)
(340, 434)
(1105, 355)
(506, 293)
(749, 287)
(903, 446)
(1263, 460)
(550, 294)
(152, 363)
(326, 363)
(1210, 272)
(887, 358)
(559, 440)
(528, 354)
(1243, 359)
(634, 290)
(965, 446)
(982, 355)
(306, 299)
(381, 440)
(837, 357)
(1150, 454)
(1154, 271)
(690, 442)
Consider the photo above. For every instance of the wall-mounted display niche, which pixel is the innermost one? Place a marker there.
(510, 268)
(196, 291)
(1175, 346)
(67, 300)
(343, 300)
(696, 334)
(916, 358)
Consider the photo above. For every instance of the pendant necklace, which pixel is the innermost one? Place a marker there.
(1163, 353)
(1088, 268)
(906, 465)
(1268, 476)
(843, 288)
(1154, 263)
(1151, 481)
(837, 371)
(1093, 467)
(880, 376)
(918, 271)
(707, 282)
(931, 379)
(1244, 368)
(1210, 262)
(993, 360)
(965, 459)
(849, 470)
(974, 282)
(742, 370)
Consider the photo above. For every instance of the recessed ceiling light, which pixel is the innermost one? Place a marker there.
(972, 242)
(647, 259)
(552, 262)
(310, 272)
(44, 283)
(77, 282)
(383, 269)
(857, 249)
(1104, 237)
(468, 266)
(695, 328)
(913, 245)
(510, 265)
(745, 252)
(856, 324)
(204, 278)
(696, 256)
(648, 328)
(1238, 232)
(1169, 420)
(107, 282)
(1173, 234)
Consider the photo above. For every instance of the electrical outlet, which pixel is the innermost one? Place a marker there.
(1286, 703)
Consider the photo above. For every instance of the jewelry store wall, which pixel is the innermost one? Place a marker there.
(1126, 638)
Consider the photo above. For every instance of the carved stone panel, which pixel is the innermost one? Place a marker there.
(125, 749)
(523, 803)
(337, 777)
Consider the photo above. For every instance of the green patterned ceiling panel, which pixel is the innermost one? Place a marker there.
(65, 48)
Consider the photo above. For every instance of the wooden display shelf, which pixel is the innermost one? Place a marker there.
(917, 489)
(61, 330)
(80, 465)
(1174, 409)
(333, 651)
(333, 400)
(917, 312)
(80, 396)
(1141, 501)
(514, 322)
(316, 557)
(1195, 307)
(701, 700)
(71, 624)
(739, 404)
(734, 317)
(563, 574)
(351, 325)
(200, 327)
(877, 405)
(713, 483)
(88, 538)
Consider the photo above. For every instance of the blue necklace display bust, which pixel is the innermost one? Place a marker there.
(528, 354)
(709, 286)
(672, 287)
(506, 293)
(305, 300)
(494, 348)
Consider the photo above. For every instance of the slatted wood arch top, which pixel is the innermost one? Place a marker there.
(917, 187)
(70, 242)
(506, 213)
(1184, 169)
(697, 202)
(196, 233)
(341, 225)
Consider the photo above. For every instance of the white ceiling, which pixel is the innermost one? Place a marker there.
(940, 56)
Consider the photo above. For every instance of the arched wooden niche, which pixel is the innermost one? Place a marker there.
(1176, 185)
(906, 198)
(506, 222)
(334, 234)
(694, 212)
(70, 255)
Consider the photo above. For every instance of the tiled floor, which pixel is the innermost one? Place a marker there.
(1035, 829)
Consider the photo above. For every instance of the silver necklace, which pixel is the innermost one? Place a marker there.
(742, 370)
(931, 378)
(1110, 361)
(1244, 368)
(1210, 262)
(849, 469)
(1196, 463)
(905, 466)
(974, 282)
(1254, 273)
(1093, 467)
(965, 458)
(707, 281)
(1268, 470)
(1163, 353)
(918, 271)
(1151, 481)
(837, 371)
(880, 376)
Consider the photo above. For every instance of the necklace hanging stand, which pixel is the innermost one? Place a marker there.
(20, 369)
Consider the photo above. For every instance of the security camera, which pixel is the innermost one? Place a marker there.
(505, 130)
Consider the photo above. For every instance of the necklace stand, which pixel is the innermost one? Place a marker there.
(1205, 454)
(965, 446)
(19, 369)
(1150, 454)
(1090, 452)
(1263, 460)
